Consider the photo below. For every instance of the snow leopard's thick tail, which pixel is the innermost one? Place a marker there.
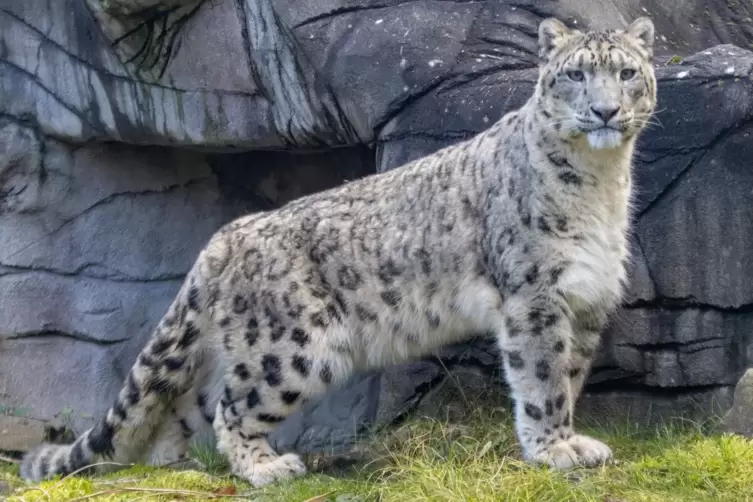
(164, 369)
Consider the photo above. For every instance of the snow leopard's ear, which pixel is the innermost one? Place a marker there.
(642, 31)
(552, 35)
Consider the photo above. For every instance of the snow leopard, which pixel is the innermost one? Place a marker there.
(519, 231)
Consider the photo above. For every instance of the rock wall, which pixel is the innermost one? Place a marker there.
(130, 130)
(95, 240)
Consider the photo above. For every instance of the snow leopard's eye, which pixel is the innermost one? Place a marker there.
(575, 75)
(627, 74)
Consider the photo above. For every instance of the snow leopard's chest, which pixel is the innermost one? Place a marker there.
(594, 270)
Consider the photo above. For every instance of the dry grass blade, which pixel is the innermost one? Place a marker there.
(161, 491)
(320, 498)
(64, 478)
(226, 490)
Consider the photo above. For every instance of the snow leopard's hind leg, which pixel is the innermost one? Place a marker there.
(258, 396)
(275, 362)
(181, 424)
(189, 419)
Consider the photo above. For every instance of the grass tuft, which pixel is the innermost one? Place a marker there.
(433, 460)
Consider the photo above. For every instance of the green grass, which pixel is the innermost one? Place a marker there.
(432, 460)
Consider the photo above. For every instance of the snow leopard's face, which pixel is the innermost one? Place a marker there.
(598, 85)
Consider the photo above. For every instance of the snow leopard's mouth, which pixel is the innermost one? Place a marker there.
(604, 137)
(603, 127)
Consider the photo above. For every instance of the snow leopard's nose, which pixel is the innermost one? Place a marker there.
(605, 112)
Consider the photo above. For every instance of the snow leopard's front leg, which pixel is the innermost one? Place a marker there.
(537, 342)
(587, 329)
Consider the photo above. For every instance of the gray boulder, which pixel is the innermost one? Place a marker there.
(130, 130)
(739, 419)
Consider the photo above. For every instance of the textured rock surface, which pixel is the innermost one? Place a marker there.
(738, 419)
(96, 236)
(94, 242)
(91, 249)
(19, 433)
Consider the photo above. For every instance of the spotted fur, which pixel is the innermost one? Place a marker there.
(520, 231)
